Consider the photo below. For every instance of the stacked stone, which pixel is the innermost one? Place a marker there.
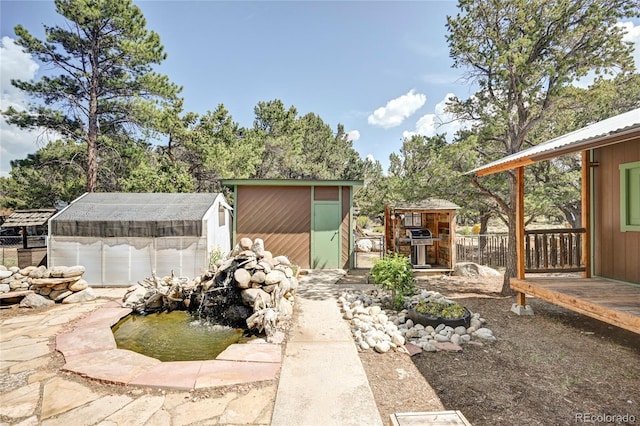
(373, 328)
(62, 284)
(266, 285)
(265, 281)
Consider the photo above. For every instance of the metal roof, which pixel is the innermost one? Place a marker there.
(116, 214)
(612, 130)
(32, 217)
(291, 182)
(429, 204)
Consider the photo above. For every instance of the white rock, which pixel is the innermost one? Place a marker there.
(282, 260)
(398, 339)
(4, 288)
(5, 274)
(364, 245)
(246, 243)
(274, 277)
(382, 347)
(375, 310)
(258, 247)
(86, 295)
(485, 334)
(79, 285)
(35, 301)
(242, 277)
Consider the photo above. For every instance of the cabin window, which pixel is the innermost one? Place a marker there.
(413, 220)
(630, 197)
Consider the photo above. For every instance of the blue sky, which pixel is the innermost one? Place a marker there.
(382, 69)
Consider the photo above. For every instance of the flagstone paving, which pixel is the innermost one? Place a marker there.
(34, 392)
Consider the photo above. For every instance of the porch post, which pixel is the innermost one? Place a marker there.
(520, 307)
(520, 223)
(586, 213)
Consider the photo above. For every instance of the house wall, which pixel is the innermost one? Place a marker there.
(281, 216)
(616, 254)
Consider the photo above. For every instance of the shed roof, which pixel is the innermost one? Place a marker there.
(429, 204)
(32, 217)
(118, 214)
(619, 128)
(291, 182)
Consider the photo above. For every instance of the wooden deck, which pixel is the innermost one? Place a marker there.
(609, 301)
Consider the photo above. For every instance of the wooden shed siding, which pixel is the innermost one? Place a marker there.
(346, 216)
(617, 254)
(326, 193)
(281, 216)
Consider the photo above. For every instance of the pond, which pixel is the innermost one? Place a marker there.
(174, 336)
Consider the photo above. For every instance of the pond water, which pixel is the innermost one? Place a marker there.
(174, 336)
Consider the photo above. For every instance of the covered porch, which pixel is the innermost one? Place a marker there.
(605, 248)
(612, 302)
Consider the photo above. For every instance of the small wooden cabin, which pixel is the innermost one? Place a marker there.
(609, 289)
(310, 221)
(424, 231)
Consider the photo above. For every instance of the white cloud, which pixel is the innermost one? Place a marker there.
(370, 158)
(353, 135)
(14, 64)
(439, 122)
(632, 35)
(397, 110)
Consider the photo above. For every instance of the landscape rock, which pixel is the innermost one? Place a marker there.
(86, 295)
(35, 301)
(470, 269)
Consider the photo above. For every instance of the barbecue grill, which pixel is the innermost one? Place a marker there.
(420, 237)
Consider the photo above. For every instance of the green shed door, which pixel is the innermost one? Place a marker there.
(326, 239)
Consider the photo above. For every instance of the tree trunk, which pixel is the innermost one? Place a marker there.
(92, 131)
(511, 260)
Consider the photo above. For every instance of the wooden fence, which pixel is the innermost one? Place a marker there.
(554, 250)
(546, 250)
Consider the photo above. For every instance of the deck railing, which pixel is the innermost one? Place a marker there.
(554, 250)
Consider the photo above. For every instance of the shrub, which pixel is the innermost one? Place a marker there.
(363, 221)
(379, 229)
(394, 273)
(440, 309)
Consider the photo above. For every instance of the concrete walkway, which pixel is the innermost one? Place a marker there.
(322, 381)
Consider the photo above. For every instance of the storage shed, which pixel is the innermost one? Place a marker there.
(121, 238)
(310, 221)
(424, 231)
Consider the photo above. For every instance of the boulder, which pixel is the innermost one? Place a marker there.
(86, 295)
(470, 269)
(242, 277)
(246, 243)
(364, 245)
(35, 301)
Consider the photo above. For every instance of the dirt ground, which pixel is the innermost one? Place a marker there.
(555, 368)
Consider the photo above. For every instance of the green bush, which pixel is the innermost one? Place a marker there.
(363, 221)
(379, 229)
(394, 273)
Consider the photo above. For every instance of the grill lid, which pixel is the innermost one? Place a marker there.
(420, 233)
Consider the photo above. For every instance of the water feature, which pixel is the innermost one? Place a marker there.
(174, 336)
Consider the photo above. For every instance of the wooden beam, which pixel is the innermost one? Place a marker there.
(503, 167)
(586, 213)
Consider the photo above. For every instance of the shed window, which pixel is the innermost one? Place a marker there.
(413, 220)
(222, 215)
(630, 196)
